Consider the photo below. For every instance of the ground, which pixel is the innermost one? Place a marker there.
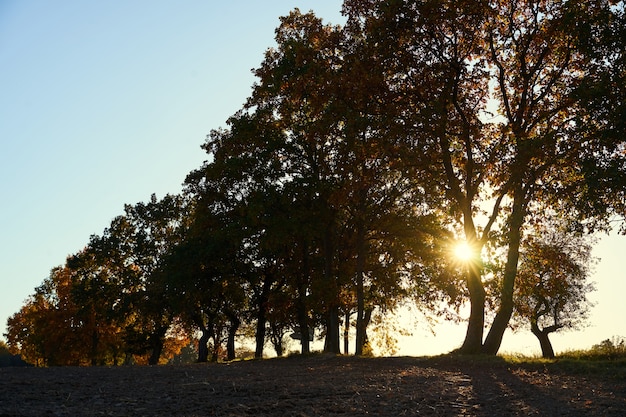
(319, 385)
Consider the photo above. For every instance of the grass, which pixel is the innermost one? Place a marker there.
(606, 359)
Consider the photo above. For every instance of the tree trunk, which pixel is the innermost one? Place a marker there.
(215, 333)
(360, 293)
(304, 336)
(304, 330)
(95, 340)
(157, 340)
(276, 336)
(157, 347)
(473, 342)
(332, 343)
(260, 333)
(366, 322)
(474, 335)
(203, 345)
(501, 321)
(232, 332)
(346, 334)
(544, 341)
(261, 321)
(302, 312)
(155, 355)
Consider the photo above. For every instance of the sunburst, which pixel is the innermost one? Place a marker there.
(464, 252)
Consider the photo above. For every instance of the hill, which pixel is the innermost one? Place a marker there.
(317, 386)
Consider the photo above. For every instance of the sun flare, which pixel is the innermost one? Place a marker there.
(463, 251)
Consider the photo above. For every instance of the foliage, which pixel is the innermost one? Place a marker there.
(552, 289)
(364, 153)
(105, 305)
(503, 165)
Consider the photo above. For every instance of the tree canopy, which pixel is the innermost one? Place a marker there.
(552, 287)
(363, 155)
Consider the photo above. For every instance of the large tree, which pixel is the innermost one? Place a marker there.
(320, 205)
(490, 94)
(204, 280)
(139, 241)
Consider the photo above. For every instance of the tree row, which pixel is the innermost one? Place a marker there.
(365, 156)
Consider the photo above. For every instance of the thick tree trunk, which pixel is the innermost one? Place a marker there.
(501, 321)
(203, 346)
(473, 342)
(474, 335)
(157, 347)
(304, 333)
(332, 343)
(157, 340)
(155, 355)
(260, 334)
(544, 341)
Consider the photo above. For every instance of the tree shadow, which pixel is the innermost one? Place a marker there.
(499, 390)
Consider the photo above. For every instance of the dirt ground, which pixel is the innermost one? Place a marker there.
(312, 386)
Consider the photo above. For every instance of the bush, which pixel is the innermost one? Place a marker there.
(609, 349)
(613, 348)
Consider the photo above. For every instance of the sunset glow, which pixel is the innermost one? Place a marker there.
(463, 251)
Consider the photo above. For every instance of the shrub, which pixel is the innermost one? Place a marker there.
(609, 349)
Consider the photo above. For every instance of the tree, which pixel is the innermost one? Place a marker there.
(108, 301)
(509, 162)
(552, 287)
(25, 333)
(603, 96)
(51, 328)
(205, 276)
(362, 153)
(338, 170)
(95, 291)
(140, 240)
(295, 92)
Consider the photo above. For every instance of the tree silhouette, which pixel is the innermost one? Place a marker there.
(552, 289)
(363, 154)
(449, 61)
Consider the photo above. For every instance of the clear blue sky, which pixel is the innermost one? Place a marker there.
(103, 103)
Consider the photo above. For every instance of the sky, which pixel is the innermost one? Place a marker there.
(103, 103)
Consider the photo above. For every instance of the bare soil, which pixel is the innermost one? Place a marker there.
(313, 386)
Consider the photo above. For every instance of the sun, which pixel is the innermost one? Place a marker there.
(463, 251)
